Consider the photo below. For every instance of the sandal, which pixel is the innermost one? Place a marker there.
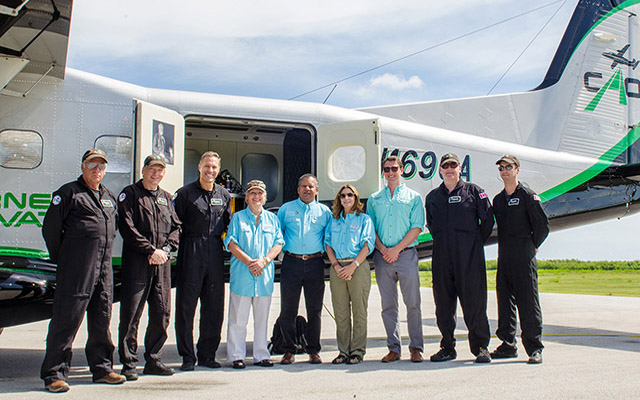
(355, 359)
(341, 359)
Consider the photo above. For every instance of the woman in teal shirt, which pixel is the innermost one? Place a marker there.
(349, 239)
(254, 240)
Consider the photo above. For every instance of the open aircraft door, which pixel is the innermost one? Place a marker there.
(349, 152)
(160, 131)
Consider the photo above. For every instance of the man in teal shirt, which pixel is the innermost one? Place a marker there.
(303, 222)
(398, 217)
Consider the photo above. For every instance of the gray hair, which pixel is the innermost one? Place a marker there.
(308, 175)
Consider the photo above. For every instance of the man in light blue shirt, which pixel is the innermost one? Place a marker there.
(398, 217)
(303, 222)
(254, 240)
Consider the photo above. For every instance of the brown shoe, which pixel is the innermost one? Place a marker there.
(314, 358)
(111, 379)
(416, 355)
(58, 387)
(391, 357)
(288, 358)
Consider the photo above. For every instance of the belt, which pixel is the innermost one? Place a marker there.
(305, 257)
(346, 260)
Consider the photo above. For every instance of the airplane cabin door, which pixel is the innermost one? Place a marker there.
(349, 152)
(160, 131)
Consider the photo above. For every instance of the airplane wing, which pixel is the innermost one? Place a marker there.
(623, 50)
(34, 35)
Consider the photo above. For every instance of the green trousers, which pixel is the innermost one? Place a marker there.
(351, 297)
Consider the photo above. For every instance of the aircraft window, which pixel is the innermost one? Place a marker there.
(347, 163)
(119, 149)
(20, 149)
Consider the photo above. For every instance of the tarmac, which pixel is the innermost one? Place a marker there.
(592, 351)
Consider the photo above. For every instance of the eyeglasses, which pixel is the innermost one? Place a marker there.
(388, 169)
(449, 165)
(508, 167)
(345, 195)
(93, 164)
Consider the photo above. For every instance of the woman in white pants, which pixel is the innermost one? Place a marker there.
(254, 240)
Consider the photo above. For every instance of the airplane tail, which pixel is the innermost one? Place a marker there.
(588, 103)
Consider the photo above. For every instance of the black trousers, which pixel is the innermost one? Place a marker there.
(140, 284)
(517, 286)
(68, 313)
(296, 274)
(202, 281)
(459, 271)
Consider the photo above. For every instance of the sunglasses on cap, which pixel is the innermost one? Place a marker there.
(388, 169)
(93, 164)
(449, 165)
(508, 167)
(345, 195)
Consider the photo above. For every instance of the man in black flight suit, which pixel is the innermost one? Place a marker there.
(79, 228)
(203, 207)
(150, 230)
(522, 227)
(460, 220)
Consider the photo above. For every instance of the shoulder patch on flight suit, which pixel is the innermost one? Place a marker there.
(106, 203)
(216, 202)
(483, 195)
(536, 197)
(122, 196)
(514, 201)
(455, 199)
(162, 201)
(56, 200)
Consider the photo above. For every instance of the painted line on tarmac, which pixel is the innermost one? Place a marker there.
(462, 336)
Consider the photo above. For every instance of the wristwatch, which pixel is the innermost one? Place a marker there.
(166, 249)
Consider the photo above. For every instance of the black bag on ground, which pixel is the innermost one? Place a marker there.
(276, 344)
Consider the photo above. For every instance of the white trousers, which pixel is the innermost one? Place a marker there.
(239, 308)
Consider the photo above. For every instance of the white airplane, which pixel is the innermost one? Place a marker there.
(575, 134)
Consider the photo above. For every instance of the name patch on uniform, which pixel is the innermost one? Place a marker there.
(216, 202)
(56, 200)
(122, 196)
(106, 203)
(514, 202)
(483, 195)
(162, 201)
(455, 199)
(354, 227)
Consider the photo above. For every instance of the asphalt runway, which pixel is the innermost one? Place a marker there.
(592, 352)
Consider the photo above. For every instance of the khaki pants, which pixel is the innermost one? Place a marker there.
(351, 297)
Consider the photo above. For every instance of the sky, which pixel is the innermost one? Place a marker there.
(282, 49)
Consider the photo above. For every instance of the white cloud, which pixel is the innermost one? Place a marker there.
(395, 82)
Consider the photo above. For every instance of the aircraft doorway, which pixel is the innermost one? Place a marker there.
(276, 153)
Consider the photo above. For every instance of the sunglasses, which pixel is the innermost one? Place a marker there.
(345, 195)
(507, 167)
(388, 169)
(93, 164)
(449, 165)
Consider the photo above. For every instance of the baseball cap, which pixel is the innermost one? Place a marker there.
(256, 184)
(508, 158)
(155, 159)
(94, 153)
(449, 157)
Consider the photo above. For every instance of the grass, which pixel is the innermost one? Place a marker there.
(607, 278)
